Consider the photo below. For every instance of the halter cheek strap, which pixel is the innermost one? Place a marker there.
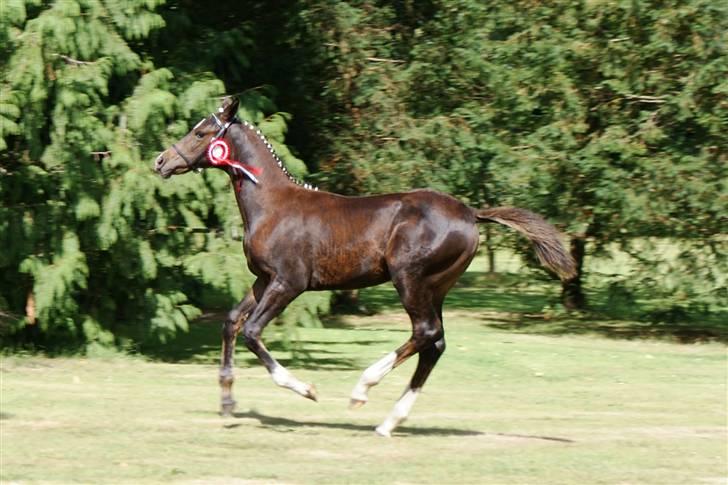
(223, 127)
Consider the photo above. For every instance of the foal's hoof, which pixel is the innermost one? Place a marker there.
(227, 407)
(311, 393)
(382, 431)
(356, 403)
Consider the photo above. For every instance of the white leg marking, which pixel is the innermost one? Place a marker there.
(371, 377)
(284, 378)
(399, 413)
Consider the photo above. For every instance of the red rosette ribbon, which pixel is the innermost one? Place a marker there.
(218, 152)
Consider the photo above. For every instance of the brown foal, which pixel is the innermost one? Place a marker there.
(299, 239)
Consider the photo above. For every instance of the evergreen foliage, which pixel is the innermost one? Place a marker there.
(607, 117)
(98, 249)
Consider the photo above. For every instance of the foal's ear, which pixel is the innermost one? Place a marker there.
(228, 108)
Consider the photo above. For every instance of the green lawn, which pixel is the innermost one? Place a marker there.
(502, 407)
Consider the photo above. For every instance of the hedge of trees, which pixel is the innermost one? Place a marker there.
(609, 117)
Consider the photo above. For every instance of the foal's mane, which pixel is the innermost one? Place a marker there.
(254, 129)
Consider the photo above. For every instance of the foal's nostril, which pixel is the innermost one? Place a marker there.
(159, 162)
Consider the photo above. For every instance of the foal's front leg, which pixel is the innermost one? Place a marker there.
(275, 298)
(230, 330)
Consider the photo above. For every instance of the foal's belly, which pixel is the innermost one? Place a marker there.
(362, 281)
(346, 267)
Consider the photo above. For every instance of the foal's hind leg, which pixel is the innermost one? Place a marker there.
(428, 357)
(422, 297)
(428, 339)
(426, 331)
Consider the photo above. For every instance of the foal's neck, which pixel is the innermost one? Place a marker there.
(275, 186)
(251, 147)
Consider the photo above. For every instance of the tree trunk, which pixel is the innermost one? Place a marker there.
(490, 251)
(347, 301)
(572, 295)
(346, 298)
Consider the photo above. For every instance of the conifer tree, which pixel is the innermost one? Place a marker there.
(605, 117)
(98, 250)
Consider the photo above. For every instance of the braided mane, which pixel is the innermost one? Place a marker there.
(278, 160)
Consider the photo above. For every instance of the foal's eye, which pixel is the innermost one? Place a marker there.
(199, 135)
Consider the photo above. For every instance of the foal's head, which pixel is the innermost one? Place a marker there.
(190, 152)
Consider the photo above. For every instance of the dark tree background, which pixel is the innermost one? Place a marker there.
(607, 117)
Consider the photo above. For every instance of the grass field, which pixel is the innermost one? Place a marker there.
(520, 397)
(502, 407)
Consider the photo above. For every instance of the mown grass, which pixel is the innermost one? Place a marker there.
(523, 395)
(501, 407)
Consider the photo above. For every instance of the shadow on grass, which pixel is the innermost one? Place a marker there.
(278, 423)
(503, 301)
(614, 329)
(512, 303)
(474, 291)
(202, 344)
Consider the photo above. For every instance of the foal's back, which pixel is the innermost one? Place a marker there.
(352, 242)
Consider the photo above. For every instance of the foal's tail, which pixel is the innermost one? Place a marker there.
(545, 238)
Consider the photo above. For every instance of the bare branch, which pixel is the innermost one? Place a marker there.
(101, 155)
(72, 61)
(217, 231)
(380, 59)
(647, 99)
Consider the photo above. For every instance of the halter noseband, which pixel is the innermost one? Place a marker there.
(184, 157)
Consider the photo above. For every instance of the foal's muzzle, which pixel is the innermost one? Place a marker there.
(162, 166)
(159, 162)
